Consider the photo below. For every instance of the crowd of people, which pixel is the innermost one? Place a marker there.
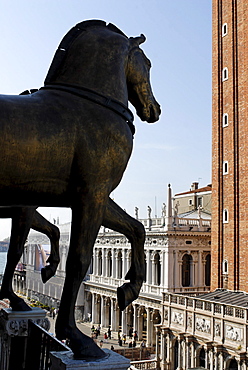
(122, 337)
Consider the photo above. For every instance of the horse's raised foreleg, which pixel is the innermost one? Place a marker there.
(86, 221)
(39, 223)
(118, 220)
(21, 222)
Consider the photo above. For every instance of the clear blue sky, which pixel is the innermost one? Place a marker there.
(175, 150)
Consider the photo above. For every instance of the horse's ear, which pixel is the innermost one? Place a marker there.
(138, 40)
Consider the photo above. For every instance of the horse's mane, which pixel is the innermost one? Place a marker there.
(68, 39)
(97, 22)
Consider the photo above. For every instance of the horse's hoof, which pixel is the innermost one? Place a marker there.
(90, 352)
(127, 293)
(82, 346)
(47, 273)
(20, 306)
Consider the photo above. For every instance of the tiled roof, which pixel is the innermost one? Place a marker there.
(225, 296)
(200, 190)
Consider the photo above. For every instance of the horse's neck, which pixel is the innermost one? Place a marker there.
(97, 72)
(98, 63)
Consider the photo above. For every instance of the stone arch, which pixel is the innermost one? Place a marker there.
(99, 262)
(98, 309)
(109, 264)
(232, 364)
(108, 312)
(175, 354)
(119, 265)
(208, 270)
(156, 319)
(157, 268)
(187, 269)
(142, 324)
(130, 314)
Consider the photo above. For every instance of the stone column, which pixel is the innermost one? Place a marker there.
(158, 333)
(153, 270)
(113, 315)
(180, 354)
(128, 261)
(187, 353)
(176, 271)
(215, 360)
(221, 361)
(104, 258)
(124, 321)
(211, 359)
(93, 313)
(148, 267)
(94, 269)
(192, 273)
(96, 272)
(140, 324)
(200, 270)
(149, 332)
(102, 316)
(124, 262)
(135, 321)
(163, 268)
(114, 265)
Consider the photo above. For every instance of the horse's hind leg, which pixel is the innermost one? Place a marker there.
(21, 222)
(86, 221)
(39, 223)
(118, 220)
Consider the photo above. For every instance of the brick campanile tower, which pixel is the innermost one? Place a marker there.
(230, 146)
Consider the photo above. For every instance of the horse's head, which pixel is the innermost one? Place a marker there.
(138, 80)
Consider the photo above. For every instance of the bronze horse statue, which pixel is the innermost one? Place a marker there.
(68, 145)
(24, 218)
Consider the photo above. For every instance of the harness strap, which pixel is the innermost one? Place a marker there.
(95, 97)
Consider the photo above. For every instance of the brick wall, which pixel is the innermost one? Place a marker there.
(229, 191)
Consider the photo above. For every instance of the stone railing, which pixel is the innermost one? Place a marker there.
(192, 223)
(213, 321)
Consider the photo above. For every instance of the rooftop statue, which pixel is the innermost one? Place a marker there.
(68, 145)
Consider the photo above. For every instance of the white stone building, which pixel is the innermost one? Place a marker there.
(209, 331)
(177, 253)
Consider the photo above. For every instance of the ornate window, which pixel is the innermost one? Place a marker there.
(119, 265)
(186, 270)
(208, 270)
(100, 262)
(225, 74)
(225, 216)
(225, 167)
(233, 365)
(225, 120)
(225, 267)
(224, 29)
(109, 264)
(202, 358)
(157, 277)
(145, 270)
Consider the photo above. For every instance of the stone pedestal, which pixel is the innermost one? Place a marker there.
(65, 361)
(14, 334)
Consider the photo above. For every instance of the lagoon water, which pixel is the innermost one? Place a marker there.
(3, 258)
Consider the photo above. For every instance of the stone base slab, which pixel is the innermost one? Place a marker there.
(65, 361)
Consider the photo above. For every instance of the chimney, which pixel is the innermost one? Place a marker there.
(194, 185)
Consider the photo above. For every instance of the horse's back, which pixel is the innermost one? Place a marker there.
(46, 136)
